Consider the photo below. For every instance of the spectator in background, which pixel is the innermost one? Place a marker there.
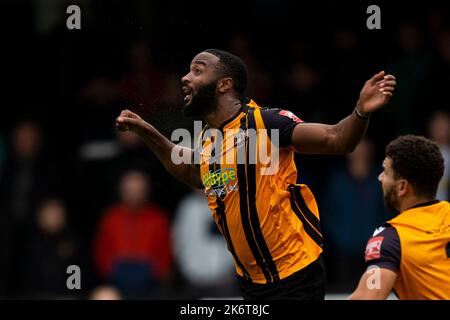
(105, 293)
(22, 170)
(103, 163)
(439, 131)
(132, 247)
(353, 205)
(29, 176)
(53, 246)
(200, 250)
(132, 153)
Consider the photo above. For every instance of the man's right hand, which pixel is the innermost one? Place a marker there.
(130, 121)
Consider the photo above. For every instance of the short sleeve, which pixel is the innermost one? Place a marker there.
(383, 249)
(283, 120)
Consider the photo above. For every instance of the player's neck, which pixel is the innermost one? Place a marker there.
(413, 201)
(226, 107)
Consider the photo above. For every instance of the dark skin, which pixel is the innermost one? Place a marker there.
(312, 138)
(405, 198)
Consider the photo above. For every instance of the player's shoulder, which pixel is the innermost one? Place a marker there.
(273, 109)
(383, 248)
(386, 229)
(269, 109)
(272, 113)
(385, 236)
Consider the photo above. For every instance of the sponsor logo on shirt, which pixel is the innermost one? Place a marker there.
(220, 182)
(373, 248)
(290, 115)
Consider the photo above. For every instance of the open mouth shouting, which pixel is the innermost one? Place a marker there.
(187, 95)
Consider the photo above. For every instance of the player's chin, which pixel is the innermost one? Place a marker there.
(187, 103)
(187, 100)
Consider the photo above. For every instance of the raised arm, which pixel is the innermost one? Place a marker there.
(161, 147)
(343, 137)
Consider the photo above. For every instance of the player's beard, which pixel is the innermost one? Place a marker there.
(201, 101)
(391, 201)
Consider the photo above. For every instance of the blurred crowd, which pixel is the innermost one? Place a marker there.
(73, 191)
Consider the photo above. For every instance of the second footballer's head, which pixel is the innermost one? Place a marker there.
(213, 73)
(412, 168)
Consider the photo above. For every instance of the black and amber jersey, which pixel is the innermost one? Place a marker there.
(270, 223)
(415, 245)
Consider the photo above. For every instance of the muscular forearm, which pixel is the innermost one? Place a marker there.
(318, 138)
(349, 132)
(163, 148)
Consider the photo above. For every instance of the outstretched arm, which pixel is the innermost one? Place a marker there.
(161, 147)
(344, 136)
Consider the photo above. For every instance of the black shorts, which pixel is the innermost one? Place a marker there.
(308, 283)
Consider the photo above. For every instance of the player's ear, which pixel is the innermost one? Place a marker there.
(224, 85)
(403, 187)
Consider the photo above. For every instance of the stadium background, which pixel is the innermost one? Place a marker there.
(62, 162)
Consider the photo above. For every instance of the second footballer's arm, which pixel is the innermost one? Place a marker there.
(344, 136)
(162, 147)
(375, 284)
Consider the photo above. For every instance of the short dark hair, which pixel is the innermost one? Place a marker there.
(232, 66)
(418, 160)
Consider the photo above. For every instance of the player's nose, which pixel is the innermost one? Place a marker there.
(185, 79)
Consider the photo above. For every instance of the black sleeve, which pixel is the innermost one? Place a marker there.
(283, 120)
(383, 249)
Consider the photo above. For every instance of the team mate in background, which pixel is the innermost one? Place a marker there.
(410, 253)
(271, 224)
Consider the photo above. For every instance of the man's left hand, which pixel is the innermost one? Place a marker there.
(376, 92)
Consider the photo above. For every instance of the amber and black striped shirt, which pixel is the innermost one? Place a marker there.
(270, 223)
